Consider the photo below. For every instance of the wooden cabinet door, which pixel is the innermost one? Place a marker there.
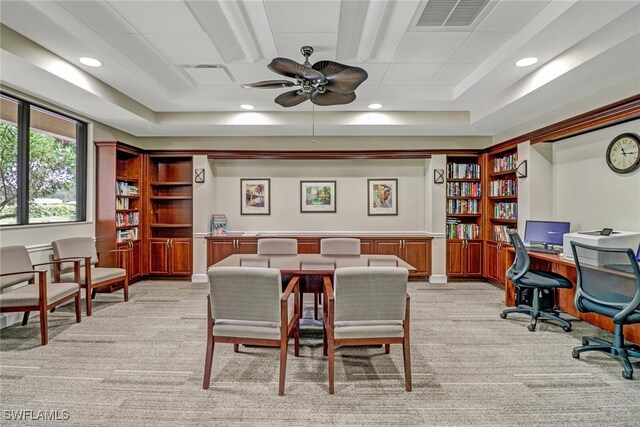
(455, 261)
(388, 247)
(181, 251)
(503, 264)
(491, 260)
(158, 256)
(135, 260)
(220, 249)
(366, 246)
(418, 254)
(309, 246)
(246, 246)
(473, 264)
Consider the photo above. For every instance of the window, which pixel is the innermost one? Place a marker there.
(42, 165)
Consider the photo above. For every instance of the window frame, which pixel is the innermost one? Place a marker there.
(23, 120)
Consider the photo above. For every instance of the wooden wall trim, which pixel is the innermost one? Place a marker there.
(612, 114)
(331, 155)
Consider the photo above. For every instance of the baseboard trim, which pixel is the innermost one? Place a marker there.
(437, 278)
(199, 278)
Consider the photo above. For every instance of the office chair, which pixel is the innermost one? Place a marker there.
(340, 246)
(536, 281)
(610, 293)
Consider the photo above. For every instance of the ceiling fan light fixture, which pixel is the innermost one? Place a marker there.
(525, 62)
(90, 62)
(375, 106)
(247, 107)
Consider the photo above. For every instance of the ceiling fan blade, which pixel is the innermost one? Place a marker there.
(293, 69)
(341, 78)
(332, 98)
(269, 84)
(291, 98)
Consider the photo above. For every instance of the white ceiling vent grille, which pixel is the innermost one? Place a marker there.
(205, 75)
(451, 13)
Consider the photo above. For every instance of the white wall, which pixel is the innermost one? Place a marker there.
(588, 193)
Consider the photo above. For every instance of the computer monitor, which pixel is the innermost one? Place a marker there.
(545, 232)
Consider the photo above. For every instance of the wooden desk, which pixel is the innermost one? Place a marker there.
(565, 297)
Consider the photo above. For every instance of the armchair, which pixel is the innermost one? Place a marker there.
(92, 277)
(608, 292)
(367, 306)
(246, 306)
(42, 297)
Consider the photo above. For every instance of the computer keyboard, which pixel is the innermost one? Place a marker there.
(545, 251)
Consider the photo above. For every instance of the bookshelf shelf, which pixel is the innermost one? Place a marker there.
(502, 173)
(173, 183)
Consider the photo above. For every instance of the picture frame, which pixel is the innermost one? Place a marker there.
(382, 196)
(317, 196)
(438, 176)
(255, 196)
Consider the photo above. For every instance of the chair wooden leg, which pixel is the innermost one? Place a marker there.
(301, 305)
(25, 318)
(283, 368)
(44, 326)
(236, 348)
(126, 288)
(208, 362)
(89, 300)
(296, 340)
(331, 365)
(53, 310)
(315, 306)
(93, 294)
(406, 350)
(77, 304)
(387, 348)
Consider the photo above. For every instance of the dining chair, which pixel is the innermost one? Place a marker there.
(367, 306)
(246, 305)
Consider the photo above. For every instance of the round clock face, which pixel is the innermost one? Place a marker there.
(623, 153)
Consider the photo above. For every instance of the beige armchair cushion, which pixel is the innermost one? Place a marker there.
(14, 259)
(98, 274)
(79, 247)
(340, 246)
(277, 246)
(28, 295)
(370, 294)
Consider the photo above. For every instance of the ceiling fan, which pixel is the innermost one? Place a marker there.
(324, 83)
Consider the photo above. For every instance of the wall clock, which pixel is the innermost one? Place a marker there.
(623, 153)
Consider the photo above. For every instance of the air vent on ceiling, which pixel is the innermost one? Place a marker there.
(204, 75)
(451, 13)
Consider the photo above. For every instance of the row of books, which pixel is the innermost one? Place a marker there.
(455, 230)
(218, 224)
(507, 210)
(122, 203)
(463, 206)
(123, 188)
(500, 233)
(126, 235)
(127, 219)
(464, 189)
(503, 187)
(463, 171)
(506, 163)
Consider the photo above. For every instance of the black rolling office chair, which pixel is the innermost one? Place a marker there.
(535, 281)
(610, 293)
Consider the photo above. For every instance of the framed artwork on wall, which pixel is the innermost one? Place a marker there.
(317, 196)
(255, 196)
(382, 196)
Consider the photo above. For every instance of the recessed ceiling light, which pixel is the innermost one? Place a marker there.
(247, 107)
(525, 62)
(375, 106)
(90, 62)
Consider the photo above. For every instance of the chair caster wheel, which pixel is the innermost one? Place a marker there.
(585, 342)
(627, 375)
(531, 328)
(503, 316)
(566, 328)
(575, 354)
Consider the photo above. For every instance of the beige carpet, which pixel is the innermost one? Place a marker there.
(141, 362)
